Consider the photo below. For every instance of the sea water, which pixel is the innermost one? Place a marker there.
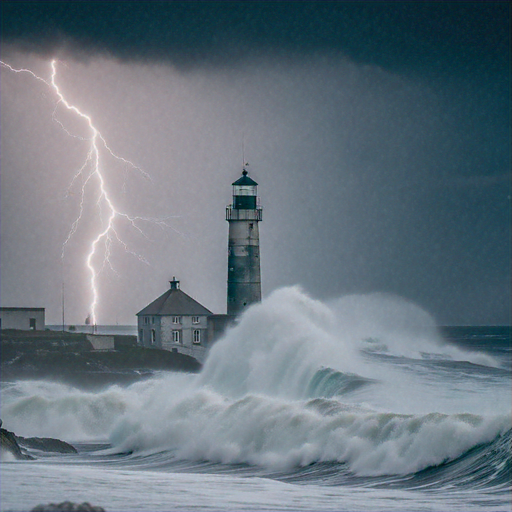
(360, 403)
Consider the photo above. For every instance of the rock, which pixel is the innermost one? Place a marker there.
(46, 444)
(9, 443)
(13, 444)
(67, 506)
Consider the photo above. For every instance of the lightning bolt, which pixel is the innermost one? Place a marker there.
(93, 168)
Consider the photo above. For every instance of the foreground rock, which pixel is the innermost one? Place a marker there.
(9, 444)
(67, 506)
(13, 444)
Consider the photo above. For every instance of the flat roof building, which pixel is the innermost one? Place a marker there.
(24, 319)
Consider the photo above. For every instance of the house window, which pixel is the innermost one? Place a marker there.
(176, 319)
(196, 336)
(153, 336)
(195, 319)
(146, 320)
(33, 324)
(141, 336)
(152, 319)
(176, 336)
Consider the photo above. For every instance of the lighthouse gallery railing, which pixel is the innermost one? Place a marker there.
(234, 214)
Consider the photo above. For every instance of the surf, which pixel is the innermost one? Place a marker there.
(294, 385)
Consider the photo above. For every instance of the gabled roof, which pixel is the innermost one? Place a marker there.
(174, 302)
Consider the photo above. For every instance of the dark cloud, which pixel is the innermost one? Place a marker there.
(446, 37)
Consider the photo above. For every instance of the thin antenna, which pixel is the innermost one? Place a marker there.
(62, 278)
(244, 163)
(63, 322)
(243, 150)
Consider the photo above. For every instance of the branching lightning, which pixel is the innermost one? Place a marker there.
(93, 170)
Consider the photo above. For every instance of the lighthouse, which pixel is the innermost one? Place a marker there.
(244, 275)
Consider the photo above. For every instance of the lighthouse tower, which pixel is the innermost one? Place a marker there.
(243, 216)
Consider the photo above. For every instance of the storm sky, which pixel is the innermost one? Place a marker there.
(379, 134)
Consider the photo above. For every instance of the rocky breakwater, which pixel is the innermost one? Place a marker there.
(20, 447)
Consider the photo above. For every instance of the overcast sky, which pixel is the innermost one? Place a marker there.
(379, 133)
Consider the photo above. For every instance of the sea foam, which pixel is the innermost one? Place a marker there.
(288, 385)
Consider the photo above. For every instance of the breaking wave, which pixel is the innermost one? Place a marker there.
(291, 385)
(281, 435)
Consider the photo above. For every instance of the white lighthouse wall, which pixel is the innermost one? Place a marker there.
(241, 232)
(244, 275)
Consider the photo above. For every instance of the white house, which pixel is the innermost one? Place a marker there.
(175, 322)
(25, 319)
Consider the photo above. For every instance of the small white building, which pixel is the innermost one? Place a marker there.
(24, 319)
(175, 322)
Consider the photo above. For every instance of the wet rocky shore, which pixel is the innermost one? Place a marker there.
(70, 358)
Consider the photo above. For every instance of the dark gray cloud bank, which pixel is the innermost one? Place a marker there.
(379, 133)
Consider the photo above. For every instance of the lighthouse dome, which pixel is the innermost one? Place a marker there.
(245, 181)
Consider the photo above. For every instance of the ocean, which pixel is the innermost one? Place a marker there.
(357, 404)
(126, 330)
